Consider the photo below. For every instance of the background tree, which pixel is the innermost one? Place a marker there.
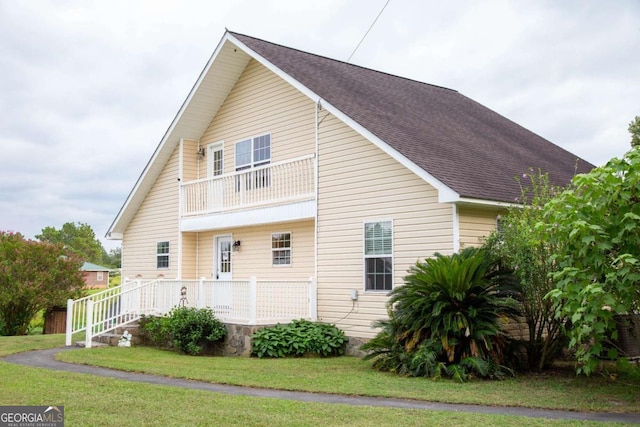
(634, 130)
(525, 251)
(596, 225)
(78, 238)
(113, 258)
(33, 276)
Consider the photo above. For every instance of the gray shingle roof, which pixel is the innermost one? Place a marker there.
(468, 147)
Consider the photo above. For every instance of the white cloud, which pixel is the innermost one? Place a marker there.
(89, 87)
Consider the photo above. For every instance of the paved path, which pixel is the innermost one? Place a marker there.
(46, 359)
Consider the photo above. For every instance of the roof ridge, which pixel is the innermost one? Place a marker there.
(342, 62)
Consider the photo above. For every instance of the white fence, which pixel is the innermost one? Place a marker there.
(274, 183)
(250, 302)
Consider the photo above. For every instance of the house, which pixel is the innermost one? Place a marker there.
(288, 167)
(95, 276)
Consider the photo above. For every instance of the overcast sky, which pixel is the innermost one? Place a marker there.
(88, 88)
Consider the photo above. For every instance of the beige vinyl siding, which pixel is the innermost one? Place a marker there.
(189, 257)
(190, 161)
(254, 256)
(358, 182)
(475, 224)
(261, 103)
(156, 220)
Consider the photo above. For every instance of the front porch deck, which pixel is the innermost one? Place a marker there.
(250, 302)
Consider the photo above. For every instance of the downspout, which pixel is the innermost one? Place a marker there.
(456, 229)
(180, 169)
(318, 107)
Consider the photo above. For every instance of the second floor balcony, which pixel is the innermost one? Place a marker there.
(273, 184)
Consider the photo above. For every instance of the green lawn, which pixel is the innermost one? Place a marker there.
(90, 400)
(352, 376)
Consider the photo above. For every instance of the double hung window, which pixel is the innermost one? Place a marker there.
(281, 249)
(162, 255)
(378, 256)
(251, 154)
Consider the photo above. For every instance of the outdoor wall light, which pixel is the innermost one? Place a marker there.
(236, 246)
(201, 153)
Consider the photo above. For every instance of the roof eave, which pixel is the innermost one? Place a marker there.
(162, 153)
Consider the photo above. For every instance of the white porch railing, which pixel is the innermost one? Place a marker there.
(250, 302)
(271, 184)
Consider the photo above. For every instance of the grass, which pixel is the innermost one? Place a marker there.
(104, 402)
(97, 401)
(352, 376)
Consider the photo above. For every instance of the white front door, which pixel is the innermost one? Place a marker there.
(223, 258)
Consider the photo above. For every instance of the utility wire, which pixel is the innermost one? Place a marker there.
(365, 34)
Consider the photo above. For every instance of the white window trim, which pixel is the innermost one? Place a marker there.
(290, 249)
(365, 256)
(168, 254)
(252, 164)
(99, 276)
(214, 146)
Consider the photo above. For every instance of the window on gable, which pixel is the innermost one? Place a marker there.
(251, 154)
(378, 256)
(162, 255)
(281, 249)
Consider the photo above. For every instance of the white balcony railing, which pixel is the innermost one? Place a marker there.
(275, 183)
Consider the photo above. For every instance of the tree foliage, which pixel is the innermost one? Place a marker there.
(33, 276)
(79, 238)
(446, 318)
(596, 225)
(525, 250)
(634, 130)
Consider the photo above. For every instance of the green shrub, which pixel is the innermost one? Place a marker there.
(155, 330)
(298, 338)
(193, 328)
(187, 329)
(445, 320)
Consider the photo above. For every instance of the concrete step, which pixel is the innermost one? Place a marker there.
(81, 344)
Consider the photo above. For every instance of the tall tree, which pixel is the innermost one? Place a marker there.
(78, 238)
(34, 276)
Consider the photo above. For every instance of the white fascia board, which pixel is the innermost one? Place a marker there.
(469, 201)
(445, 194)
(162, 146)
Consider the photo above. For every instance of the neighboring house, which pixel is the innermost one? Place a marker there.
(285, 165)
(95, 276)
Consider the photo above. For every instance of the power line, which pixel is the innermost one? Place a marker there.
(365, 34)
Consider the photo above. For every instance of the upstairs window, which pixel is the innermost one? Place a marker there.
(250, 154)
(378, 256)
(162, 255)
(281, 249)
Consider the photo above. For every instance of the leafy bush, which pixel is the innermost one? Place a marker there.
(445, 320)
(525, 249)
(298, 338)
(193, 328)
(34, 276)
(188, 329)
(155, 329)
(598, 221)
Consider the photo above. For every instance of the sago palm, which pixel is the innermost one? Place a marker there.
(457, 300)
